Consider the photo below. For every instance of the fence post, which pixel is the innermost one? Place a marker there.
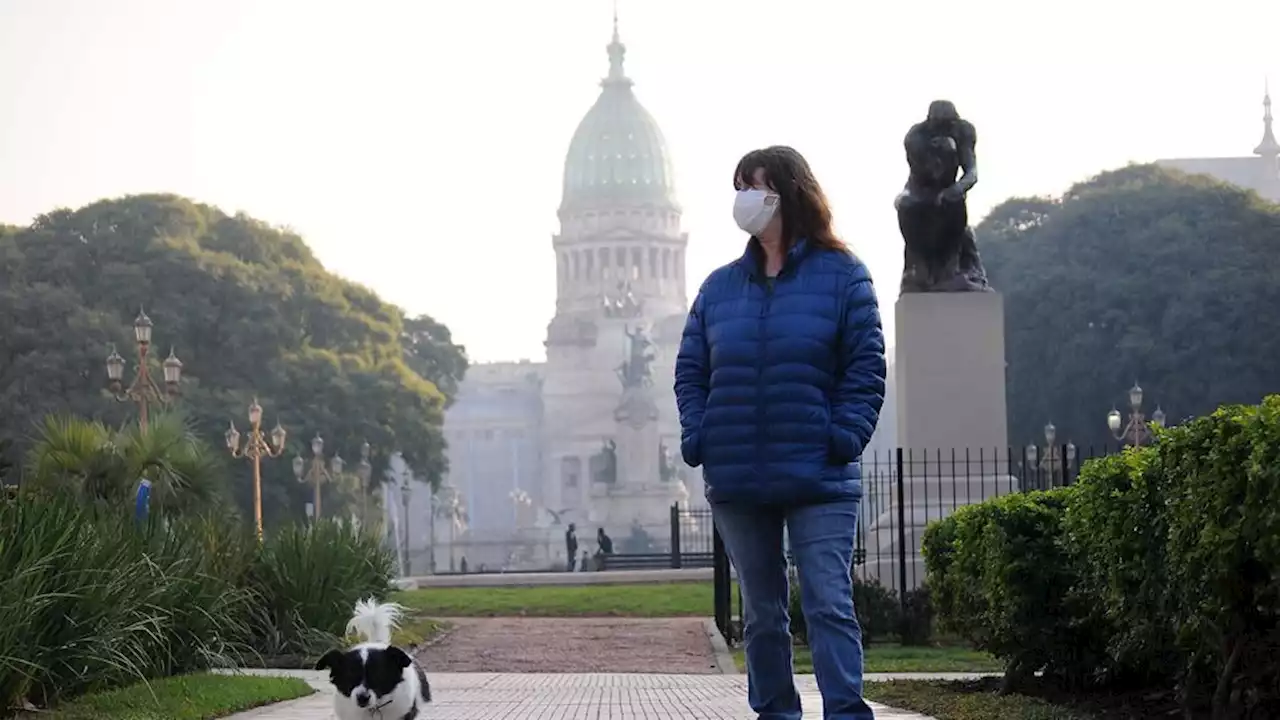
(720, 582)
(675, 536)
(902, 536)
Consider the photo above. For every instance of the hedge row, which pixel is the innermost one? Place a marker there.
(90, 601)
(1160, 566)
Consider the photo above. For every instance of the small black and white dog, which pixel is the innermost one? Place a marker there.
(375, 679)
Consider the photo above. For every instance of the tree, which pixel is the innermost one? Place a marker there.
(430, 352)
(251, 313)
(99, 464)
(1140, 273)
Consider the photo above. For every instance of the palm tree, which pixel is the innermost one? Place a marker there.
(103, 465)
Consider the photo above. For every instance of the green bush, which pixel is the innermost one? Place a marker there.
(308, 579)
(916, 625)
(1160, 565)
(1223, 554)
(1003, 579)
(876, 607)
(1117, 528)
(90, 601)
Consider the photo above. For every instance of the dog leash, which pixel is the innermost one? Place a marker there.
(411, 715)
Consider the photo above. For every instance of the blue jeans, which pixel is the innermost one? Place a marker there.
(822, 539)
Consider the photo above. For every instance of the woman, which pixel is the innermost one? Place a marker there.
(779, 381)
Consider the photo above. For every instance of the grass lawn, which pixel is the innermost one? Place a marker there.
(417, 629)
(189, 697)
(966, 701)
(979, 700)
(641, 600)
(892, 658)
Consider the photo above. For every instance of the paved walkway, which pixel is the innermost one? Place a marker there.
(572, 645)
(506, 696)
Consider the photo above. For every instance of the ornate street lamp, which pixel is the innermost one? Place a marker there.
(406, 490)
(1135, 432)
(452, 509)
(520, 501)
(315, 471)
(1051, 458)
(255, 449)
(143, 390)
(364, 471)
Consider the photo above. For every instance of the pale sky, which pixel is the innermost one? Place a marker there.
(418, 145)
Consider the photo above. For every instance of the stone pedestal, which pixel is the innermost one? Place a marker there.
(950, 372)
(952, 424)
(639, 495)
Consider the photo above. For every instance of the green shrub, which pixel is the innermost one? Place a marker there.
(1117, 527)
(916, 625)
(876, 607)
(1223, 554)
(309, 577)
(1159, 564)
(1003, 579)
(90, 601)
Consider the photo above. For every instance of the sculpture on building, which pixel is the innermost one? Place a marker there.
(605, 463)
(941, 254)
(668, 468)
(623, 303)
(637, 370)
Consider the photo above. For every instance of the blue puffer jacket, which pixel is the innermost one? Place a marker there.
(780, 384)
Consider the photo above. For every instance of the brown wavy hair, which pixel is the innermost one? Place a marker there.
(804, 207)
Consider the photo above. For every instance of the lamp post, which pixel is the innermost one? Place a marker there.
(398, 471)
(1052, 458)
(452, 508)
(1135, 432)
(255, 449)
(143, 390)
(315, 471)
(364, 471)
(406, 489)
(520, 500)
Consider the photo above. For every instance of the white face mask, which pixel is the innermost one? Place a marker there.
(753, 209)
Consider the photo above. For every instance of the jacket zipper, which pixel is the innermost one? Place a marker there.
(761, 429)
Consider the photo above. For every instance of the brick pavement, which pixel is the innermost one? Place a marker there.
(510, 696)
(572, 645)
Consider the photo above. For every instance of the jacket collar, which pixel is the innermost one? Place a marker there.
(752, 260)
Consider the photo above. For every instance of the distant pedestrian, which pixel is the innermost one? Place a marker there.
(571, 545)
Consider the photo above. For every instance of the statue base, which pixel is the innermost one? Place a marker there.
(949, 369)
(620, 508)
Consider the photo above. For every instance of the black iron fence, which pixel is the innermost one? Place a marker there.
(903, 490)
(690, 545)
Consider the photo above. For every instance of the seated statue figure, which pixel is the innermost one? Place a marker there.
(941, 254)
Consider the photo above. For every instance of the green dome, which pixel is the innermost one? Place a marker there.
(617, 157)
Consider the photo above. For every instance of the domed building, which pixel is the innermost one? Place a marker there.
(589, 437)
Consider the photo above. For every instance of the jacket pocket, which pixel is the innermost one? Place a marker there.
(691, 447)
(840, 444)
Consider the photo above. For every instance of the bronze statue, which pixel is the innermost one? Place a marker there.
(637, 370)
(941, 254)
(668, 470)
(623, 303)
(605, 463)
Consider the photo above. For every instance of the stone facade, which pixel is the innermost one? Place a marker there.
(582, 435)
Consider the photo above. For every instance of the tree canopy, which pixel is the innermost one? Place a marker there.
(251, 313)
(1142, 274)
